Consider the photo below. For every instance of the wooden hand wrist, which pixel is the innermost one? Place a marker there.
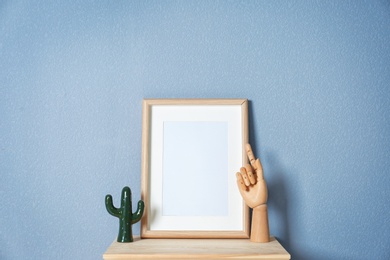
(260, 228)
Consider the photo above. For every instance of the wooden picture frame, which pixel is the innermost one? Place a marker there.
(191, 150)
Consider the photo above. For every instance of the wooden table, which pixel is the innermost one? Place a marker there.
(196, 249)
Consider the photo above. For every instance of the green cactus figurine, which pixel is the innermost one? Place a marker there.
(126, 217)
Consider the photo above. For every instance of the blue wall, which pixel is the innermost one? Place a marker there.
(73, 76)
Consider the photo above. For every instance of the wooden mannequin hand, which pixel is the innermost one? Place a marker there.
(251, 183)
(254, 191)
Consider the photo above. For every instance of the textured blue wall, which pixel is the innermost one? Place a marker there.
(73, 76)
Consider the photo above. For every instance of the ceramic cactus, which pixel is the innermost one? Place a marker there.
(125, 215)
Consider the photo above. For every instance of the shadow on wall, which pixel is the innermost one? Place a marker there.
(278, 211)
(284, 200)
(278, 199)
(284, 209)
(278, 192)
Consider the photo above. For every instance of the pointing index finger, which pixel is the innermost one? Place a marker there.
(256, 164)
(251, 156)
